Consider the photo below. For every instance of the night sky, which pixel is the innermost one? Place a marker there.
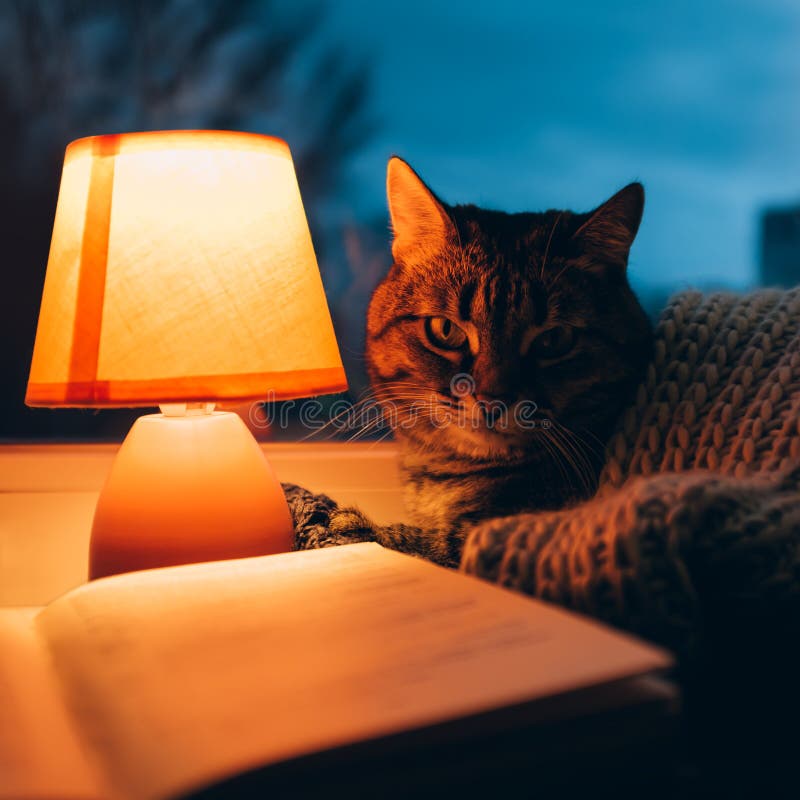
(528, 105)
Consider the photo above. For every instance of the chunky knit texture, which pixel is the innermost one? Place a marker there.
(722, 392)
(697, 517)
(696, 523)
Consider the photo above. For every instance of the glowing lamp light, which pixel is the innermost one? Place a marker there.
(182, 273)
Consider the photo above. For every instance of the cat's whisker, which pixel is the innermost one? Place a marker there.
(333, 422)
(597, 445)
(325, 426)
(365, 430)
(572, 470)
(362, 422)
(383, 438)
(582, 445)
(555, 455)
(562, 457)
(573, 478)
(583, 464)
(563, 270)
(547, 249)
(579, 460)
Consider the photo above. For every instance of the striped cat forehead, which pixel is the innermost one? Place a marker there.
(498, 295)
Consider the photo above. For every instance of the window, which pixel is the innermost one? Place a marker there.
(516, 106)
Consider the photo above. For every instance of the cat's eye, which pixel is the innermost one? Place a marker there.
(444, 333)
(554, 342)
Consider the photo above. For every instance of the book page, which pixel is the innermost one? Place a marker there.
(185, 675)
(41, 755)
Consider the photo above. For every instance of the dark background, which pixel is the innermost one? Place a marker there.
(520, 106)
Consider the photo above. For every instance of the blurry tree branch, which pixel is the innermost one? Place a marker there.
(73, 68)
(81, 67)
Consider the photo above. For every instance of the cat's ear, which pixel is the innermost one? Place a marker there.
(420, 223)
(610, 229)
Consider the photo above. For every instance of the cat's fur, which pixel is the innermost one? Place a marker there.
(547, 317)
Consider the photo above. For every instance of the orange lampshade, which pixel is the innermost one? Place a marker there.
(181, 269)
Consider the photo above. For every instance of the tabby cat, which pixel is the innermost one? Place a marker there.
(502, 348)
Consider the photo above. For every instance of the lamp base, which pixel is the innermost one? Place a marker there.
(184, 489)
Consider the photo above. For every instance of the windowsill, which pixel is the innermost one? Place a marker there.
(48, 494)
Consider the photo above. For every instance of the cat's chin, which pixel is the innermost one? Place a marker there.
(487, 444)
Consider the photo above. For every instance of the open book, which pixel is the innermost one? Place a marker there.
(158, 683)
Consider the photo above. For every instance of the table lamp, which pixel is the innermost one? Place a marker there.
(181, 274)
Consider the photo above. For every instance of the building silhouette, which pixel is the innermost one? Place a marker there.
(780, 246)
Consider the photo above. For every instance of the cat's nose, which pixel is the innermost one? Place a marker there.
(494, 409)
(494, 380)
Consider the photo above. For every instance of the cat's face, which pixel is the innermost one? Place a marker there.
(490, 326)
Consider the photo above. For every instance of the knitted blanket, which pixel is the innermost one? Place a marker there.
(696, 522)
